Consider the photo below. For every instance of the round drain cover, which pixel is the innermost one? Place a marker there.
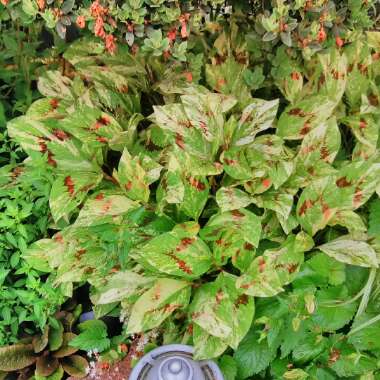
(174, 362)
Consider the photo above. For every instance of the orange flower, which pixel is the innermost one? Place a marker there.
(172, 33)
(99, 28)
(41, 4)
(4, 2)
(81, 22)
(110, 43)
(97, 10)
(321, 34)
(339, 42)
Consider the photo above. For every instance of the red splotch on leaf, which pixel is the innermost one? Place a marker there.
(51, 161)
(102, 139)
(229, 161)
(358, 196)
(219, 242)
(185, 242)
(363, 68)
(60, 135)
(179, 141)
(242, 300)
(220, 83)
(203, 126)
(54, 103)
(342, 182)
(188, 76)
(106, 206)
(42, 145)
(308, 203)
(334, 356)
(248, 246)
(373, 100)
(237, 214)
(295, 75)
(266, 182)
(128, 185)
(69, 185)
(16, 172)
(326, 210)
(219, 296)
(321, 81)
(362, 124)
(291, 268)
(297, 112)
(115, 269)
(190, 328)
(185, 123)
(376, 56)
(99, 197)
(305, 129)
(197, 184)
(324, 153)
(80, 253)
(170, 307)
(261, 264)
(59, 238)
(104, 120)
(123, 89)
(181, 263)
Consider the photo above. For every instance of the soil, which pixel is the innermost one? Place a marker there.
(118, 371)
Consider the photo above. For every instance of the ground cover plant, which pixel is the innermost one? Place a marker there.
(217, 186)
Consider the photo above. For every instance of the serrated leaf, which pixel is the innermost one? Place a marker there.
(228, 366)
(253, 356)
(93, 336)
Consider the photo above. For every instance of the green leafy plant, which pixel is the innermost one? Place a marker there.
(51, 352)
(214, 188)
(27, 300)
